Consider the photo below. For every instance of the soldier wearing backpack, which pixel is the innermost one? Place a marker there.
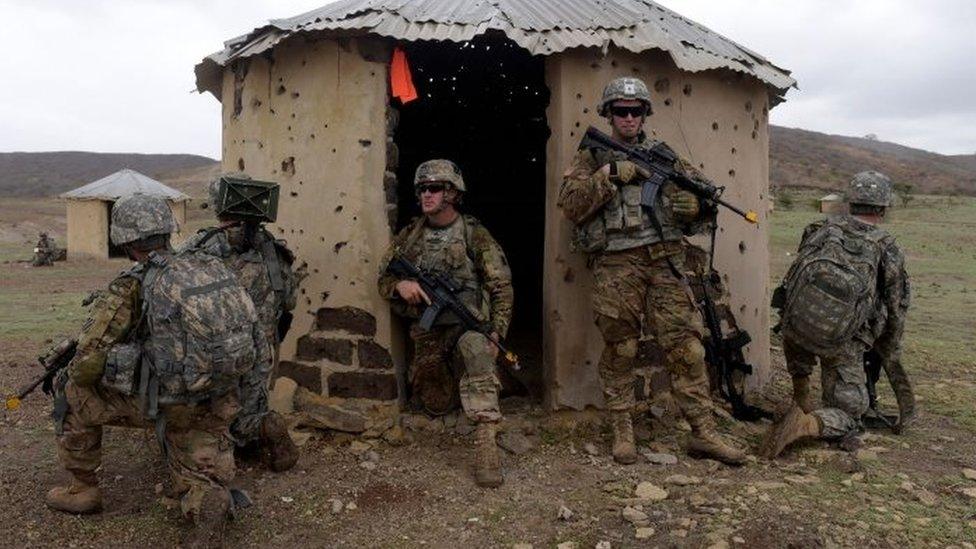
(263, 266)
(846, 293)
(163, 348)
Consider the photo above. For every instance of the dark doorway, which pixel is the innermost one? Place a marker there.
(483, 105)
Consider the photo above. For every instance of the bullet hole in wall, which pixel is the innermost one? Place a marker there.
(731, 173)
(613, 62)
(293, 115)
(321, 239)
(295, 95)
(569, 275)
(273, 111)
(240, 164)
(755, 125)
(303, 291)
(755, 134)
(662, 85)
(579, 96)
(338, 208)
(742, 309)
(733, 150)
(308, 301)
(586, 110)
(577, 124)
(256, 103)
(339, 246)
(355, 218)
(312, 136)
(667, 102)
(365, 142)
(289, 128)
(288, 165)
(324, 295)
(333, 151)
(594, 65)
(735, 127)
(701, 165)
(281, 90)
(686, 89)
(748, 106)
(742, 247)
(714, 126)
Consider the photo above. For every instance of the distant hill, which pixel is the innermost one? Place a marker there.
(801, 158)
(52, 173)
(191, 181)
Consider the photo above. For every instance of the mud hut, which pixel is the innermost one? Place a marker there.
(90, 207)
(323, 104)
(832, 203)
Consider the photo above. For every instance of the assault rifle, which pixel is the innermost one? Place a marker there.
(53, 362)
(875, 418)
(660, 162)
(443, 293)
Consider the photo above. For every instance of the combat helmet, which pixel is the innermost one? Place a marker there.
(439, 170)
(625, 87)
(139, 217)
(871, 188)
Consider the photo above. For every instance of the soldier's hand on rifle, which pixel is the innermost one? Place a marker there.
(411, 292)
(685, 206)
(623, 172)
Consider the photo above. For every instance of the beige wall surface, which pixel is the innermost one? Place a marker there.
(87, 228)
(716, 120)
(313, 119)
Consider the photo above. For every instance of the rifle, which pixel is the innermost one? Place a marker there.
(874, 418)
(443, 293)
(660, 162)
(53, 361)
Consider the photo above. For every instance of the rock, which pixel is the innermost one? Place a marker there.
(604, 544)
(801, 479)
(565, 513)
(648, 491)
(357, 447)
(635, 516)
(907, 486)
(925, 497)
(568, 545)
(644, 532)
(351, 506)
(368, 465)
(657, 412)
(682, 480)
(396, 436)
(658, 458)
(522, 546)
(679, 533)
(515, 442)
(282, 397)
(372, 456)
(591, 449)
(969, 473)
(866, 454)
(719, 545)
(770, 485)
(739, 540)
(336, 506)
(415, 422)
(325, 413)
(968, 492)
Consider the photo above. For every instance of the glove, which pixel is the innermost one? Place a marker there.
(685, 206)
(623, 172)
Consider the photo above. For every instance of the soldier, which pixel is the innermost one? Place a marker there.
(141, 362)
(445, 241)
(846, 293)
(263, 266)
(44, 252)
(638, 264)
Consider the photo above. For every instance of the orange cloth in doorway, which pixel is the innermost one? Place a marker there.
(401, 83)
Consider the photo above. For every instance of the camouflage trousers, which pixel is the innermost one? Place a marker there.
(199, 449)
(638, 291)
(845, 393)
(450, 363)
(254, 398)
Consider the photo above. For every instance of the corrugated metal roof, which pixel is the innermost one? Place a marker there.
(543, 27)
(124, 182)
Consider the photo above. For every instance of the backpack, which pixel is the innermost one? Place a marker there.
(203, 334)
(831, 287)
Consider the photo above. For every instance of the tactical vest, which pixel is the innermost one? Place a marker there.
(447, 250)
(832, 287)
(622, 223)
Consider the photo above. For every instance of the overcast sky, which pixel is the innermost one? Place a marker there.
(117, 76)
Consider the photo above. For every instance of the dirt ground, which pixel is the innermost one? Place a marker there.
(562, 486)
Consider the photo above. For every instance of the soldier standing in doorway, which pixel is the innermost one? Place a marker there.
(847, 293)
(450, 361)
(637, 258)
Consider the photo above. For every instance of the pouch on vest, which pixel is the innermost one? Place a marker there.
(590, 237)
(632, 214)
(122, 368)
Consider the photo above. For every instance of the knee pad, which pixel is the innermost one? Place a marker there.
(626, 348)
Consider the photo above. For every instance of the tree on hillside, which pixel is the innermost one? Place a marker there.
(905, 192)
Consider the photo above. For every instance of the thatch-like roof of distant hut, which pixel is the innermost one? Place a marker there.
(124, 182)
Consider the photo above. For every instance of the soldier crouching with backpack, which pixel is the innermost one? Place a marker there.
(846, 293)
(164, 348)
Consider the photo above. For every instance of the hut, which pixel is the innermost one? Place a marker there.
(833, 203)
(339, 105)
(90, 207)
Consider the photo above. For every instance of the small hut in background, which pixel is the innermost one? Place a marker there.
(90, 207)
(833, 203)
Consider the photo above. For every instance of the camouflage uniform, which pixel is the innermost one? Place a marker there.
(44, 252)
(248, 262)
(466, 252)
(843, 377)
(639, 285)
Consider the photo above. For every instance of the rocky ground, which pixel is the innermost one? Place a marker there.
(412, 487)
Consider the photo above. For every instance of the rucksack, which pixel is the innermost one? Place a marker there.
(832, 285)
(203, 334)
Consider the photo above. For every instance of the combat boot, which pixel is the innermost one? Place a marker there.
(801, 393)
(279, 449)
(706, 443)
(794, 426)
(209, 522)
(488, 468)
(82, 496)
(624, 449)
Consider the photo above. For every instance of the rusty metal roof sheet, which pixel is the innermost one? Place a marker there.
(124, 182)
(543, 27)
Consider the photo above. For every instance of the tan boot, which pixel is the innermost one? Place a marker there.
(801, 393)
(488, 468)
(706, 443)
(209, 522)
(794, 426)
(624, 449)
(80, 497)
(277, 445)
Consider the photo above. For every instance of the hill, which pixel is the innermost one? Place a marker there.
(801, 158)
(51, 173)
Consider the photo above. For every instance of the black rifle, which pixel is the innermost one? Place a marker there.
(874, 418)
(53, 362)
(443, 293)
(660, 162)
